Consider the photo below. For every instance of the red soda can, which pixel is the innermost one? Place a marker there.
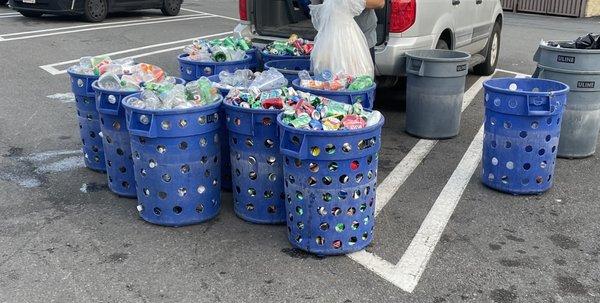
(353, 122)
(276, 103)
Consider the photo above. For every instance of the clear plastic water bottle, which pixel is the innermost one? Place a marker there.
(269, 79)
(109, 81)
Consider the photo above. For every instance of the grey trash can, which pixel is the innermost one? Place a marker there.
(580, 70)
(434, 92)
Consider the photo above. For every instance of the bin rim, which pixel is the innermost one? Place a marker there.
(488, 85)
(284, 56)
(115, 92)
(168, 112)
(297, 85)
(336, 133)
(568, 50)
(183, 58)
(269, 63)
(73, 73)
(251, 110)
(416, 55)
(568, 71)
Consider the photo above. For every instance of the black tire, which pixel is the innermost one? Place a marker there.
(492, 52)
(2, 2)
(441, 44)
(95, 10)
(30, 14)
(171, 7)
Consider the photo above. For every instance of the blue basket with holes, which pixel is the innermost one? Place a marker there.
(226, 167)
(88, 120)
(267, 57)
(365, 97)
(176, 158)
(330, 179)
(522, 129)
(289, 68)
(191, 70)
(256, 164)
(254, 58)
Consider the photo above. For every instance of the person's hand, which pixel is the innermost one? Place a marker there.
(375, 4)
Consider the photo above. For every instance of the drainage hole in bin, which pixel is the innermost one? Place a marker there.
(237, 172)
(157, 211)
(315, 151)
(366, 220)
(313, 167)
(204, 159)
(497, 102)
(494, 144)
(320, 240)
(508, 144)
(161, 149)
(346, 147)
(291, 179)
(238, 156)
(207, 173)
(342, 195)
(251, 160)
(271, 160)
(299, 195)
(367, 190)
(510, 165)
(122, 169)
(365, 236)
(249, 207)
(300, 225)
(504, 179)
(116, 125)
(95, 149)
(507, 125)
(182, 123)
(340, 227)
(493, 121)
(491, 177)
(110, 180)
(327, 180)
(237, 189)
(543, 165)
(142, 140)
(80, 127)
(355, 225)
(185, 169)
(166, 125)
(253, 175)
(523, 134)
(203, 142)
(299, 210)
(541, 152)
(93, 135)
(298, 162)
(494, 161)
(199, 208)
(162, 195)
(269, 143)
(324, 226)
(526, 166)
(344, 179)
(166, 178)
(528, 148)
(251, 192)
(539, 179)
(337, 244)
(333, 166)
(96, 159)
(268, 194)
(182, 191)
(89, 117)
(321, 211)
(266, 121)
(351, 211)
(183, 145)
(312, 181)
(201, 189)
(548, 138)
(336, 211)
(177, 210)
(549, 178)
(359, 178)
(327, 197)
(553, 149)
(109, 163)
(215, 182)
(370, 175)
(512, 103)
(330, 149)
(249, 142)
(535, 125)
(352, 241)
(108, 139)
(356, 194)
(146, 192)
(272, 177)
(202, 120)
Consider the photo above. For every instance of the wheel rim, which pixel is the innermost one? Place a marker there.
(97, 8)
(172, 5)
(494, 50)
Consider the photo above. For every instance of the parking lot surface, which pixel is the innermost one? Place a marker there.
(440, 236)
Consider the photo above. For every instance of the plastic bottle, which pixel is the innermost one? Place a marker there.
(269, 79)
(109, 81)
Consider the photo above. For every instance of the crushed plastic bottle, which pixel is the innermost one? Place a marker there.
(109, 81)
(269, 79)
(100, 65)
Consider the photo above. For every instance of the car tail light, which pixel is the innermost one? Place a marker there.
(403, 15)
(243, 10)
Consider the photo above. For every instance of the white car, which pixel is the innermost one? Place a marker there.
(473, 26)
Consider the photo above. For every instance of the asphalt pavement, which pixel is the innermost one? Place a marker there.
(64, 237)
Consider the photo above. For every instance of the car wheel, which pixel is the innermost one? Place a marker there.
(95, 10)
(171, 7)
(31, 14)
(488, 66)
(441, 44)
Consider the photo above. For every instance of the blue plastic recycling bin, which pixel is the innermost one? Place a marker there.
(88, 120)
(226, 164)
(289, 68)
(256, 164)
(193, 70)
(522, 129)
(254, 58)
(266, 57)
(117, 150)
(176, 156)
(330, 184)
(365, 97)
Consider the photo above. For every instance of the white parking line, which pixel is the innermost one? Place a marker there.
(97, 24)
(105, 27)
(51, 68)
(10, 16)
(12, 13)
(220, 16)
(517, 74)
(397, 274)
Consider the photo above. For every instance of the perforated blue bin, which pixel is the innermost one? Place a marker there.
(289, 68)
(226, 166)
(330, 184)
(256, 164)
(522, 129)
(266, 57)
(177, 163)
(117, 149)
(254, 58)
(88, 120)
(192, 70)
(365, 97)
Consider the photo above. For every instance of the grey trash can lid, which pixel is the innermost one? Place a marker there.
(439, 55)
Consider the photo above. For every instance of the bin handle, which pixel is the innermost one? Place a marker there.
(416, 66)
(137, 128)
(286, 141)
(105, 107)
(539, 105)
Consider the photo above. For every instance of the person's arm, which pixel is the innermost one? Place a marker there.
(375, 4)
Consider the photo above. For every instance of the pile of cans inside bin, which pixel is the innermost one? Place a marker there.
(162, 139)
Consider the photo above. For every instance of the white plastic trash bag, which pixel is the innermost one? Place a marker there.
(340, 45)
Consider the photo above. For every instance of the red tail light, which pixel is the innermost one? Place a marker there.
(243, 10)
(403, 15)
